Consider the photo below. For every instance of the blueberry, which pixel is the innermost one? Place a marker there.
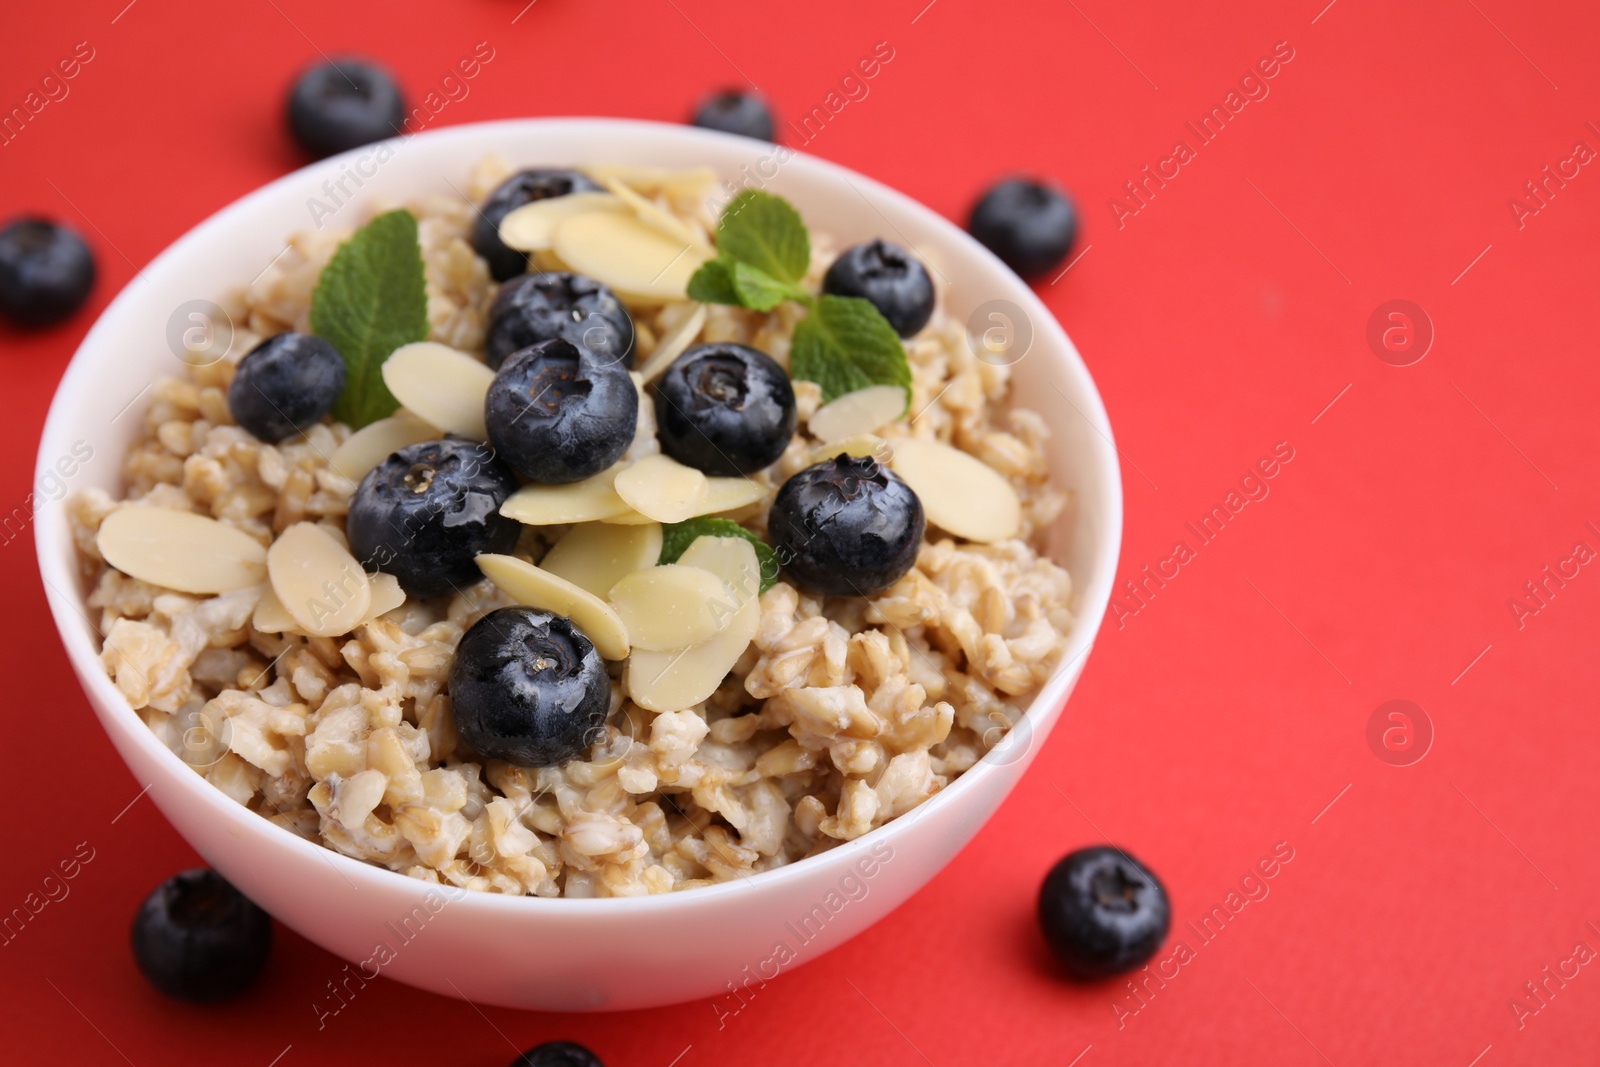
(1028, 224)
(523, 187)
(197, 938)
(557, 1054)
(46, 272)
(540, 307)
(889, 278)
(527, 687)
(727, 409)
(1102, 912)
(557, 412)
(735, 111)
(845, 527)
(344, 104)
(426, 511)
(285, 384)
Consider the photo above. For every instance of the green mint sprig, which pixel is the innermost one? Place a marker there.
(370, 300)
(676, 538)
(763, 251)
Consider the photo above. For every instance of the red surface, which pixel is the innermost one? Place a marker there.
(1219, 320)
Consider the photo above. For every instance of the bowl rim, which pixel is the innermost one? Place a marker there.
(50, 527)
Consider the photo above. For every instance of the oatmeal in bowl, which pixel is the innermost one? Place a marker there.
(703, 549)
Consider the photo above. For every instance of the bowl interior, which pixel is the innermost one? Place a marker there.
(100, 401)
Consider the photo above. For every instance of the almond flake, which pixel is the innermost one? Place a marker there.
(386, 596)
(959, 492)
(528, 228)
(857, 413)
(441, 385)
(552, 505)
(373, 443)
(730, 494)
(317, 581)
(538, 588)
(671, 607)
(866, 444)
(662, 488)
(673, 345)
(270, 617)
(634, 259)
(674, 681)
(597, 555)
(654, 217)
(180, 550)
(652, 179)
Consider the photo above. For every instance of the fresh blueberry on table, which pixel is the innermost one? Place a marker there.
(527, 687)
(427, 510)
(197, 938)
(736, 111)
(1030, 225)
(1102, 912)
(557, 1054)
(343, 104)
(845, 527)
(523, 187)
(559, 412)
(727, 409)
(550, 304)
(46, 272)
(889, 278)
(285, 384)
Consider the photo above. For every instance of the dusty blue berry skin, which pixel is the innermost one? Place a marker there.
(337, 106)
(46, 272)
(557, 412)
(550, 304)
(726, 409)
(1102, 912)
(845, 527)
(523, 187)
(197, 938)
(732, 111)
(1030, 225)
(285, 384)
(426, 511)
(889, 278)
(528, 687)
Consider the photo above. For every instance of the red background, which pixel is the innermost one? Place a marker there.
(1222, 318)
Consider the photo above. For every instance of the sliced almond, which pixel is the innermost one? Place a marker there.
(590, 500)
(317, 580)
(653, 179)
(538, 588)
(180, 550)
(857, 413)
(673, 345)
(386, 596)
(636, 260)
(373, 443)
(662, 488)
(269, 617)
(959, 492)
(597, 555)
(628, 518)
(441, 385)
(673, 681)
(528, 228)
(730, 494)
(655, 217)
(866, 444)
(671, 607)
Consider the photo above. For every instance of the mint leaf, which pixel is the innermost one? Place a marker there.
(369, 301)
(713, 283)
(845, 345)
(760, 291)
(766, 232)
(676, 538)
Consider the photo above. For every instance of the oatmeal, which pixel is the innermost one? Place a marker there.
(753, 699)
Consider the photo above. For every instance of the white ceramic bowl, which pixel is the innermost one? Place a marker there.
(526, 952)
